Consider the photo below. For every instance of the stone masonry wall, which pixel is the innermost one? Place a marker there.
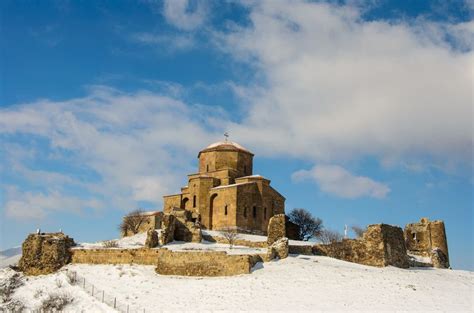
(381, 245)
(238, 242)
(115, 256)
(203, 263)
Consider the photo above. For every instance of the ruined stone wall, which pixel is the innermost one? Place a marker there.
(45, 253)
(142, 256)
(381, 245)
(238, 242)
(152, 221)
(203, 263)
(428, 238)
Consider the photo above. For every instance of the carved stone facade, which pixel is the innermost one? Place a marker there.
(225, 193)
(428, 239)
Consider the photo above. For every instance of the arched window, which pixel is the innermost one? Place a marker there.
(225, 210)
(265, 213)
(245, 211)
(254, 212)
(194, 201)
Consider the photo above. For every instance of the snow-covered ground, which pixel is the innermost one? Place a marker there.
(298, 283)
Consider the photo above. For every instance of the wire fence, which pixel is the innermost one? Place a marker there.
(116, 303)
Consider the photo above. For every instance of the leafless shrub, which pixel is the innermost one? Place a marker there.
(230, 234)
(56, 302)
(327, 236)
(8, 285)
(59, 283)
(309, 225)
(71, 277)
(358, 231)
(14, 305)
(110, 244)
(132, 221)
(38, 293)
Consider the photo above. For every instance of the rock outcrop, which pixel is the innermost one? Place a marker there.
(45, 253)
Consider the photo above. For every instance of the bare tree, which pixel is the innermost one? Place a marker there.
(309, 226)
(358, 231)
(132, 221)
(230, 234)
(327, 236)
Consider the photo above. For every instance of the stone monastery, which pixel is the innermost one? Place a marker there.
(225, 193)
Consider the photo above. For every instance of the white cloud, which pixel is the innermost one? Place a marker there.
(138, 146)
(336, 180)
(183, 15)
(37, 205)
(170, 43)
(337, 88)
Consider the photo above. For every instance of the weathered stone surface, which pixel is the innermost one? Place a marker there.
(381, 245)
(152, 220)
(203, 263)
(424, 237)
(45, 253)
(237, 242)
(151, 239)
(439, 259)
(301, 249)
(279, 249)
(168, 227)
(276, 228)
(142, 256)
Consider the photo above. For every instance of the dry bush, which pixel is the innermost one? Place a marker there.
(110, 244)
(132, 221)
(56, 302)
(71, 277)
(230, 234)
(309, 226)
(14, 305)
(8, 285)
(59, 283)
(358, 231)
(327, 236)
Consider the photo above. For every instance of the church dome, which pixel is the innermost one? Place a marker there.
(225, 146)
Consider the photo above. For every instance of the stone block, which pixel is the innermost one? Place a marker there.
(168, 226)
(276, 228)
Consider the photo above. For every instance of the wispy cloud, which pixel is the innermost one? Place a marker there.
(335, 180)
(184, 14)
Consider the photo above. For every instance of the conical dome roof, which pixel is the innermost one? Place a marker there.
(225, 146)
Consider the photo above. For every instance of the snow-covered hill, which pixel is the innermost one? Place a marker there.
(298, 283)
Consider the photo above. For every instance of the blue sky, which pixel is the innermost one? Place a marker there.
(360, 111)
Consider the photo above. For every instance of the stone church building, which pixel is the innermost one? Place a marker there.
(225, 193)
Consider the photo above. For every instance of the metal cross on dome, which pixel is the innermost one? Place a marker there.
(226, 135)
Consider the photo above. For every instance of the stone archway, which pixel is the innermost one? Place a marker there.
(211, 209)
(184, 202)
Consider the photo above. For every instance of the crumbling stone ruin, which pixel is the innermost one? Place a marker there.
(168, 226)
(381, 245)
(45, 253)
(277, 241)
(428, 239)
(152, 239)
(278, 249)
(186, 229)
